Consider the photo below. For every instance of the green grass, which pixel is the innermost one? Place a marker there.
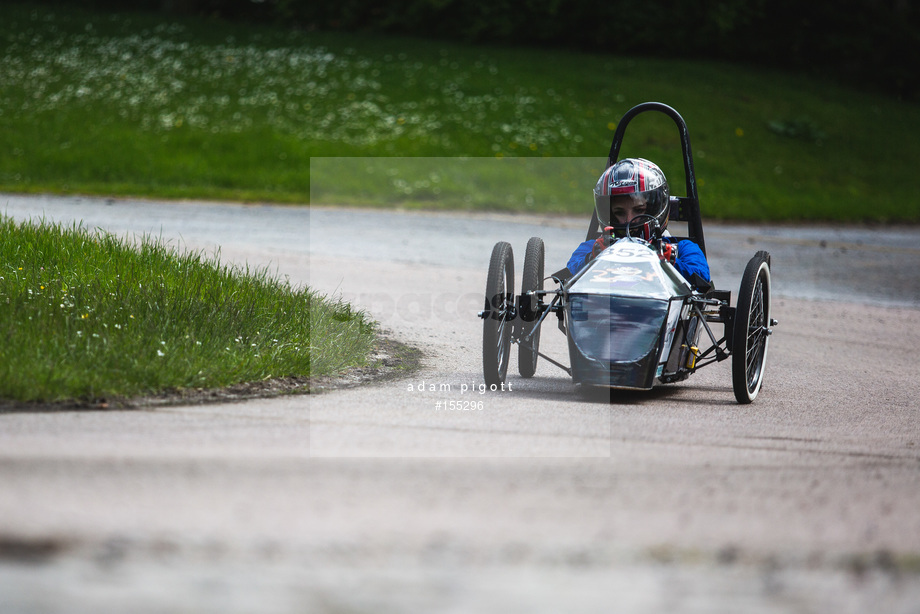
(129, 104)
(86, 316)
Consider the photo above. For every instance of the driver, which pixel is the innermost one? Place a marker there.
(630, 188)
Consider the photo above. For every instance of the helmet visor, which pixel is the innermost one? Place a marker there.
(625, 207)
(619, 209)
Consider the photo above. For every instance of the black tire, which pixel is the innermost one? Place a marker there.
(497, 326)
(532, 279)
(751, 329)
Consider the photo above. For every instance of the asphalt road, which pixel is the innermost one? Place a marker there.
(371, 499)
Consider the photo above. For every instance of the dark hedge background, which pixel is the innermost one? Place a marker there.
(869, 43)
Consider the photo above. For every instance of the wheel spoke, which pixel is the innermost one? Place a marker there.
(504, 327)
(753, 368)
(757, 302)
(502, 330)
(755, 337)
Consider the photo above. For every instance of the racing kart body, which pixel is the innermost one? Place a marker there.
(631, 319)
(622, 313)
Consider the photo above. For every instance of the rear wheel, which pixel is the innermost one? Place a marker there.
(497, 325)
(531, 280)
(751, 329)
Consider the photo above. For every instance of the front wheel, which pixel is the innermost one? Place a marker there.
(531, 280)
(499, 316)
(751, 329)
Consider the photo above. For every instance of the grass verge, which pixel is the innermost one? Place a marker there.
(87, 317)
(125, 103)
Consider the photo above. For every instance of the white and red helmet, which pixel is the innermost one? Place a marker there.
(636, 179)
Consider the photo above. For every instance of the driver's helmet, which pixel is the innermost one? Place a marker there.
(624, 188)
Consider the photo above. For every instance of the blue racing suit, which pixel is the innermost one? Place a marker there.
(690, 259)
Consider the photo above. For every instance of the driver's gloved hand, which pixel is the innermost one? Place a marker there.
(668, 252)
(600, 244)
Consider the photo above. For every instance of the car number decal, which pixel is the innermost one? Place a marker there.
(630, 252)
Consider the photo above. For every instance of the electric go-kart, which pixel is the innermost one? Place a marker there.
(630, 318)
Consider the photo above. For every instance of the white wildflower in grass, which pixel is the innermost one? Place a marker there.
(160, 82)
